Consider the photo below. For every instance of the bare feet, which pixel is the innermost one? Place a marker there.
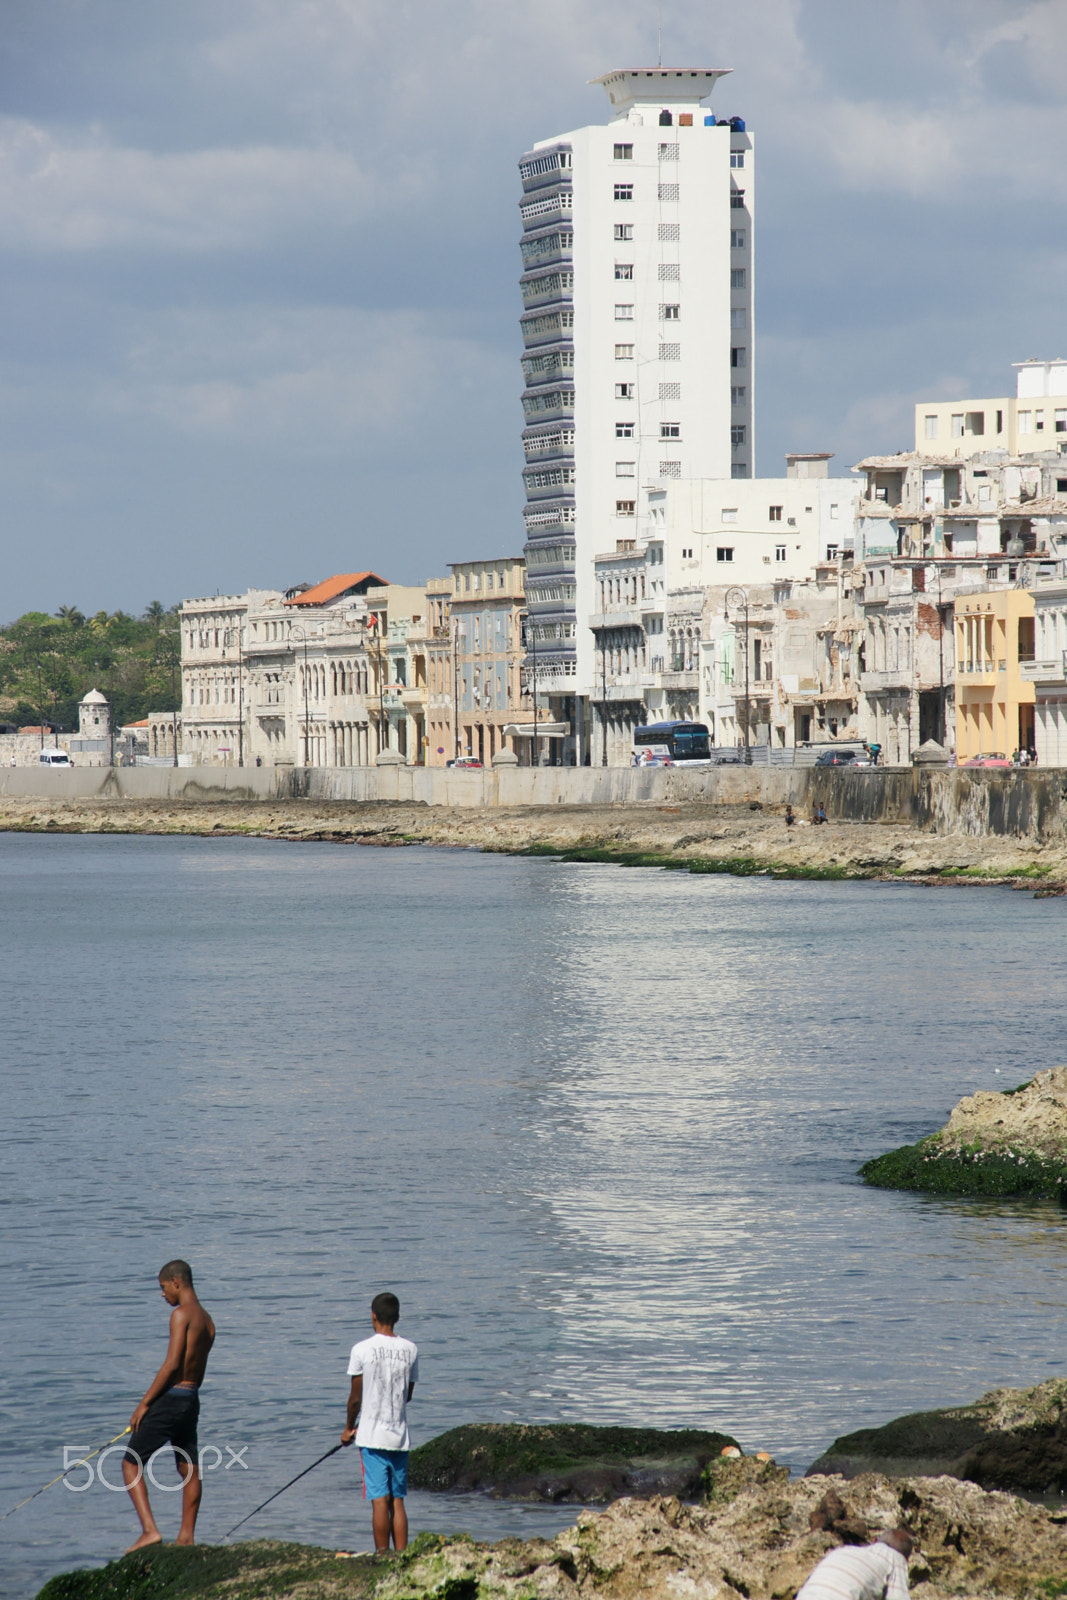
(181, 1540)
(144, 1541)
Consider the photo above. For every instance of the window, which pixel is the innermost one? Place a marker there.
(670, 313)
(687, 553)
(624, 152)
(1061, 485)
(669, 272)
(625, 508)
(737, 199)
(737, 316)
(737, 238)
(729, 514)
(957, 425)
(1039, 422)
(833, 511)
(624, 231)
(670, 391)
(668, 152)
(725, 552)
(670, 430)
(1025, 423)
(668, 191)
(737, 395)
(624, 352)
(831, 552)
(774, 513)
(738, 469)
(737, 159)
(779, 552)
(670, 469)
(1000, 422)
(670, 352)
(624, 391)
(737, 277)
(738, 357)
(669, 233)
(1061, 421)
(626, 469)
(624, 191)
(624, 430)
(931, 427)
(624, 313)
(737, 433)
(623, 271)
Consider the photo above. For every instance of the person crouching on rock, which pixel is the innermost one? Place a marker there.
(384, 1370)
(876, 1571)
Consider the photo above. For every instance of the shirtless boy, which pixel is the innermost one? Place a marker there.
(171, 1405)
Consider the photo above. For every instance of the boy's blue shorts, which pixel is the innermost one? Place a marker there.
(385, 1473)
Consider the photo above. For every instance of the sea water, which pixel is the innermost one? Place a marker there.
(599, 1129)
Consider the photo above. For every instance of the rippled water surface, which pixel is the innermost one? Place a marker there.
(598, 1127)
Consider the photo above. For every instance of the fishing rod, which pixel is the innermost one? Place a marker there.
(283, 1488)
(63, 1474)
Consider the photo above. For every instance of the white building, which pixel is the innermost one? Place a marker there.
(637, 282)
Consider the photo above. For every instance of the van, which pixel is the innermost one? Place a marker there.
(54, 758)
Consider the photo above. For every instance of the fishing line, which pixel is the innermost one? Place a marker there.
(283, 1488)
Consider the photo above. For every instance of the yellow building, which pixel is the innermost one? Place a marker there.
(1032, 419)
(994, 705)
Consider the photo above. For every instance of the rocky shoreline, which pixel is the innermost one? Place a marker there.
(694, 836)
(759, 1543)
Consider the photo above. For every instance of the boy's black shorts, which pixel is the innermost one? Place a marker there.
(171, 1420)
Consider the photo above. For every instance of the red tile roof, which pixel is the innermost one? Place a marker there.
(333, 588)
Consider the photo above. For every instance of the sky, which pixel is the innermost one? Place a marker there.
(259, 259)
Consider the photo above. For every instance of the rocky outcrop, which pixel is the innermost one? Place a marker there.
(761, 1545)
(1013, 1143)
(1010, 1439)
(565, 1461)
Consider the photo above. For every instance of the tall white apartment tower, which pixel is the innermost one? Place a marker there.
(637, 333)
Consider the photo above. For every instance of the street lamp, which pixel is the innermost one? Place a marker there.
(604, 697)
(738, 598)
(300, 635)
(374, 621)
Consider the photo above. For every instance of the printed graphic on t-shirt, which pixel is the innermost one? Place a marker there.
(388, 1367)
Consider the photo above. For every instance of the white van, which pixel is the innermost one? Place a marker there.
(54, 758)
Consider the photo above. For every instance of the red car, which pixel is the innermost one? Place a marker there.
(992, 760)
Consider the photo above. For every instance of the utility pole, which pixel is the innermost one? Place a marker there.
(240, 695)
(455, 688)
(940, 663)
(738, 598)
(298, 632)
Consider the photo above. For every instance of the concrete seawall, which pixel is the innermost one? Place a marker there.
(1025, 804)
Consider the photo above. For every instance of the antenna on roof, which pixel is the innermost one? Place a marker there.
(659, 33)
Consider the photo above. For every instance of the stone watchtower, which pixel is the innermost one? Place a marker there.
(94, 716)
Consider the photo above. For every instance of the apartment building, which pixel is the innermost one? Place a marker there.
(488, 606)
(638, 332)
(1034, 418)
(1047, 671)
(994, 700)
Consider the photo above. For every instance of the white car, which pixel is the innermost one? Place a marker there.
(54, 758)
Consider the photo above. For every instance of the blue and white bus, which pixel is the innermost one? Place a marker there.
(672, 744)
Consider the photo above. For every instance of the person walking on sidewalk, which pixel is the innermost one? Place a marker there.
(384, 1370)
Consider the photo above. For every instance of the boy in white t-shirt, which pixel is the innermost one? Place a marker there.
(384, 1370)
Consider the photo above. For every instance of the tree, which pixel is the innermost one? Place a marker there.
(72, 615)
(154, 611)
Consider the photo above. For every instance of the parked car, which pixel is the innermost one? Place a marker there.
(54, 758)
(841, 758)
(727, 758)
(993, 759)
(467, 763)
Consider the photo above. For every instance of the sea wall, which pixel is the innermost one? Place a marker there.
(1025, 804)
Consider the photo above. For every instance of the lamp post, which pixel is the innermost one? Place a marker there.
(455, 688)
(374, 621)
(297, 632)
(738, 598)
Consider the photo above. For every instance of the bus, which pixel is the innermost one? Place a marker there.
(681, 744)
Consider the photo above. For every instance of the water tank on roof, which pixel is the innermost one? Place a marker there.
(665, 119)
(709, 120)
(737, 124)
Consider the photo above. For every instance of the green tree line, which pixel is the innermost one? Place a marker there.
(48, 663)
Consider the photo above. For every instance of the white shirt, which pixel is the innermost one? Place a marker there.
(389, 1365)
(858, 1572)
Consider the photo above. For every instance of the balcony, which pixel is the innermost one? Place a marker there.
(978, 674)
(680, 680)
(1052, 671)
(617, 617)
(893, 679)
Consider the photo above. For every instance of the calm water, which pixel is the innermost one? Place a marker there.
(598, 1127)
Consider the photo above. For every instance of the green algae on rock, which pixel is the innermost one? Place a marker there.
(564, 1461)
(1010, 1439)
(1012, 1143)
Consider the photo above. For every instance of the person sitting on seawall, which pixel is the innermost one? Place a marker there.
(877, 1571)
(818, 815)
